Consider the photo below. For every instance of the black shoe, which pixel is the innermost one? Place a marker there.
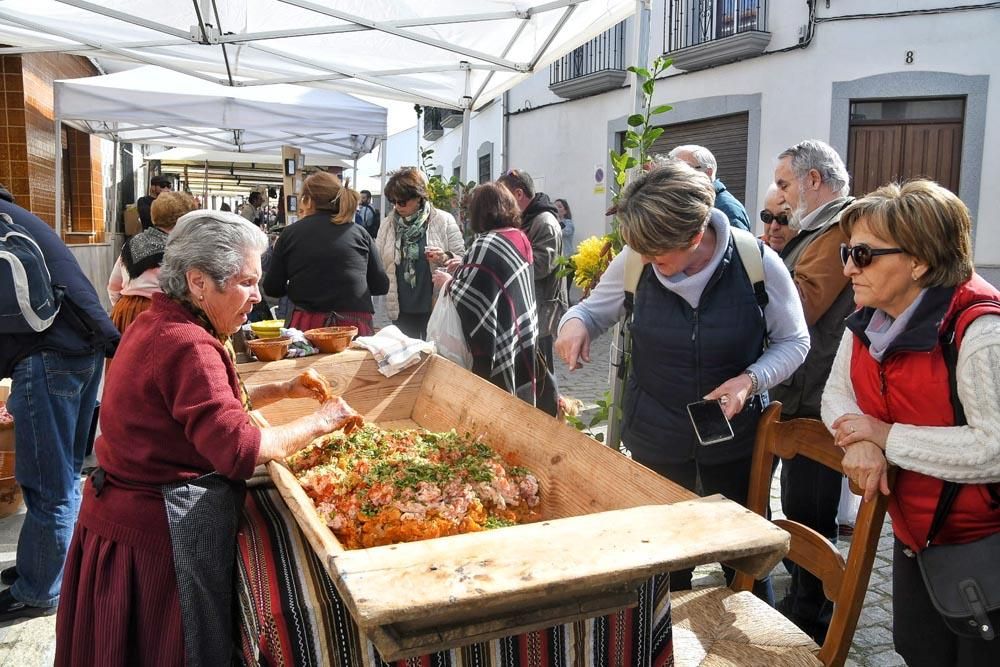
(12, 609)
(8, 575)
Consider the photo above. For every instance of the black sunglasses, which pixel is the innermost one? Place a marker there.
(767, 217)
(400, 202)
(862, 254)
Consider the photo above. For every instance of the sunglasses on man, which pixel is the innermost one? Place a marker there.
(863, 254)
(767, 218)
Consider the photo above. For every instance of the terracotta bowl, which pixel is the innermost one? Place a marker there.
(269, 349)
(10, 491)
(331, 339)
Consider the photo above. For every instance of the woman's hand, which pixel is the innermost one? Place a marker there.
(451, 266)
(573, 343)
(440, 278)
(865, 464)
(435, 255)
(300, 386)
(850, 429)
(732, 394)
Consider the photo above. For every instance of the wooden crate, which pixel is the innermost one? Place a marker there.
(607, 523)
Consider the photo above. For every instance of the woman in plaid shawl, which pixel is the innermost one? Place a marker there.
(493, 289)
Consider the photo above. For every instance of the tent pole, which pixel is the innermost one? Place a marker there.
(463, 173)
(204, 187)
(114, 190)
(355, 181)
(59, 183)
(621, 341)
(382, 175)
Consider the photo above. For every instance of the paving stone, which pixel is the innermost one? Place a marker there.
(884, 659)
(873, 636)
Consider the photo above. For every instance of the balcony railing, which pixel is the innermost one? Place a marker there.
(435, 120)
(596, 66)
(697, 28)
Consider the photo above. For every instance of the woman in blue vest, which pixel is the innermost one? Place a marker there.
(698, 331)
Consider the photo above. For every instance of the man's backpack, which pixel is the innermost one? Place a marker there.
(29, 302)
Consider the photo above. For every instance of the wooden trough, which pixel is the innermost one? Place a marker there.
(607, 523)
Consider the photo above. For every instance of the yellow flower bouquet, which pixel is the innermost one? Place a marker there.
(591, 260)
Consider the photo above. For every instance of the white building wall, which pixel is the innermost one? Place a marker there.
(561, 141)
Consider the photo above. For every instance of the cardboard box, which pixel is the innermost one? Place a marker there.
(607, 523)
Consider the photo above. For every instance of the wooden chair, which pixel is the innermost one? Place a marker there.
(731, 626)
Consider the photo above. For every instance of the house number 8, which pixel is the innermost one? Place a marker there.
(909, 57)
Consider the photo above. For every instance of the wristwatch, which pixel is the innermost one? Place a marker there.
(754, 382)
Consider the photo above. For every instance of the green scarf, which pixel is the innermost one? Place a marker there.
(409, 232)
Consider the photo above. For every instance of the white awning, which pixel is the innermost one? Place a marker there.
(457, 54)
(152, 105)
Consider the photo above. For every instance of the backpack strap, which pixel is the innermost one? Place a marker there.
(751, 253)
(633, 272)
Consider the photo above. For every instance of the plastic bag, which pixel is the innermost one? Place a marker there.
(445, 330)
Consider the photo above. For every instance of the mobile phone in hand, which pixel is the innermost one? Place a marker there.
(709, 421)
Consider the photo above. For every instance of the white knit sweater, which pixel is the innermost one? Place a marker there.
(967, 454)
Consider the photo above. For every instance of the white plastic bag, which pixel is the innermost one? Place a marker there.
(445, 330)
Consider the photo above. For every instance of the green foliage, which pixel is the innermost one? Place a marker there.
(599, 416)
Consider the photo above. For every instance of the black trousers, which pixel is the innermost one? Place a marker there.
(810, 495)
(918, 632)
(731, 480)
(413, 325)
(547, 398)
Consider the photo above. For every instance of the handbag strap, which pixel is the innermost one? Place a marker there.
(949, 491)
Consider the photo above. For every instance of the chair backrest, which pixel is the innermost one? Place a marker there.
(844, 582)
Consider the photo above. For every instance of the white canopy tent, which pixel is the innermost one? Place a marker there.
(152, 105)
(456, 54)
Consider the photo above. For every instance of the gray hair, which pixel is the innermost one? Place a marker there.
(666, 208)
(772, 191)
(819, 155)
(706, 161)
(212, 241)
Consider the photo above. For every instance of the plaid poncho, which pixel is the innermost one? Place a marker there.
(495, 296)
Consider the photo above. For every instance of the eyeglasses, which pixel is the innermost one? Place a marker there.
(401, 202)
(767, 218)
(862, 254)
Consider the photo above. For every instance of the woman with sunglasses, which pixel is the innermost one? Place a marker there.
(414, 239)
(888, 399)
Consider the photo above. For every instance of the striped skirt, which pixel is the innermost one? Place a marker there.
(291, 613)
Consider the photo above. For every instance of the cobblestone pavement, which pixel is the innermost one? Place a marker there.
(872, 646)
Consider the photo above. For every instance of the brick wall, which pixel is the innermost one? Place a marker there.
(27, 165)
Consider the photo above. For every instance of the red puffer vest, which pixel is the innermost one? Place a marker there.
(910, 386)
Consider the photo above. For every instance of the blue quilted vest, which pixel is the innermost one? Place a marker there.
(679, 354)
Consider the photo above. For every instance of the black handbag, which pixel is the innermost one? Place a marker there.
(962, 580)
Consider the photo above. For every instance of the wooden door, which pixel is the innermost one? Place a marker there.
(901, 140)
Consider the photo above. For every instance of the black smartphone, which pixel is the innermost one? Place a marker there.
(709, 421)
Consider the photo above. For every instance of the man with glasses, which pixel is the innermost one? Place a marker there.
(776, 216)
(812, 181)
(540, 224)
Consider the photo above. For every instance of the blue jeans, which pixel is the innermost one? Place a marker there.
(52, 401)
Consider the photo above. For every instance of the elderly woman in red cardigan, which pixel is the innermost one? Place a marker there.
(148, 578)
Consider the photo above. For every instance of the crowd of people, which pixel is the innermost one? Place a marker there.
(850, 320)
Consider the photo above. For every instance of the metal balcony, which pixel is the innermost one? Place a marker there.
(595, 67)
(703, 33)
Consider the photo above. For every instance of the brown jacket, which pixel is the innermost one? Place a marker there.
(813, 257)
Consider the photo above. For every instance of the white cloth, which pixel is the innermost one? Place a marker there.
(393, 350)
